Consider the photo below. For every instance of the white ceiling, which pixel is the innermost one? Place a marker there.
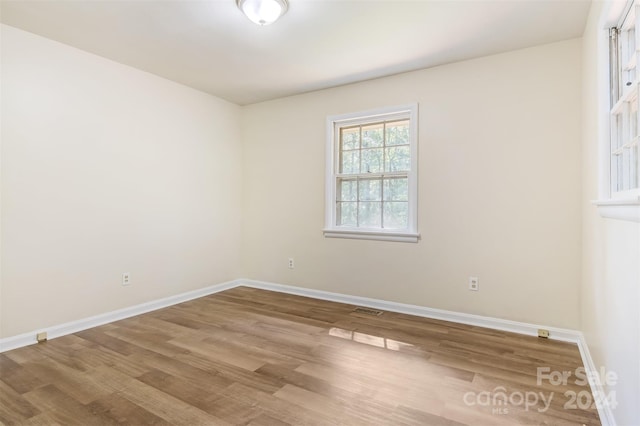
(212, 46)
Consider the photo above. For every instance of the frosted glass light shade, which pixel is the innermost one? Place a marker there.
(263, 12)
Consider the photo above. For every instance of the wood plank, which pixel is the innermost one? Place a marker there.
(17, 377)
(122, 411)
(253, 357)
(63, 408)
(14, 407)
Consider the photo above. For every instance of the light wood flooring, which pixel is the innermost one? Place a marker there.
(253, 357)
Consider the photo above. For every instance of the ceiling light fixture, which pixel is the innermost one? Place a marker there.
(263, 12)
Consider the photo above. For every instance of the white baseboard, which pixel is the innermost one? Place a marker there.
(566, 335)
(604, 410)
(562, 334)
(59, 330)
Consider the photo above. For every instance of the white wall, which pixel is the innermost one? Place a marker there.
(105, 170)
(610, 292)
(499, 187)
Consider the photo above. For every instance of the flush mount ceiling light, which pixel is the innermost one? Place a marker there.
(263, 12)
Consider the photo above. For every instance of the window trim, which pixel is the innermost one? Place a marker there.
(334, 122)
(622, 205)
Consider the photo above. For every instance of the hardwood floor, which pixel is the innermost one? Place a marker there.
(253, 357)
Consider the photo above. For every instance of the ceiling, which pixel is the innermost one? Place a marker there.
(213, 47)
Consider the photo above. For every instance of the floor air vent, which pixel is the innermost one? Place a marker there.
(367, 311)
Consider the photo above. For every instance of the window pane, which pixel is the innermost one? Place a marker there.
(616, 172)
(633, 118)
(347, 190)
(398, 159)
(347, 213)
(628, 66)
(617, 132)
(369, 214)
(372, 160)
(351, 138)
(620, 172)
(625, 169)
(350, 162)
(372, 135)
(398, 133)
(396, 215)
(396, 189)
(634, 167)
(370, 189)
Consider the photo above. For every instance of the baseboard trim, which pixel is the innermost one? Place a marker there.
(604, 410)
(59, 330)
(562, 334)
(29, 338)
(566, 335)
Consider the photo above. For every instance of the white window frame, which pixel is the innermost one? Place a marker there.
(623, 205)
(334, 124)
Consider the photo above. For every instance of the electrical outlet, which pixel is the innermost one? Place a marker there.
(126, 278)
(473, 284)
(41, 337)
(543, 333)
(291, 263)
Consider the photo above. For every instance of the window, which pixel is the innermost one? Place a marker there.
(372, 175)
(621, 191)
(624, 104)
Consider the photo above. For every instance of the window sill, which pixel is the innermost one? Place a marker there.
(403, 237)
(625, 209)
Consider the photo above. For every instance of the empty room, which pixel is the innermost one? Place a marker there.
(320, 212)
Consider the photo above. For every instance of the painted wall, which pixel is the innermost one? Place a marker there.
(499, 184)
(105, 170)
(610, 292)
